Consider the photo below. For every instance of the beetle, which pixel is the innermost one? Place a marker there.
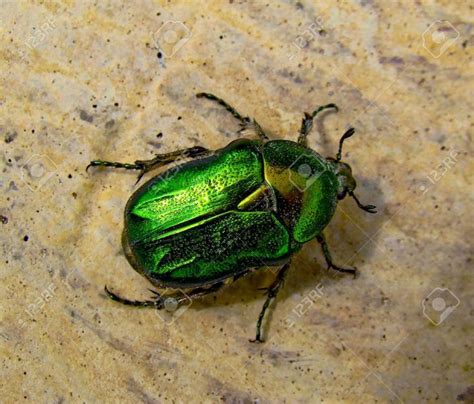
(250, 205)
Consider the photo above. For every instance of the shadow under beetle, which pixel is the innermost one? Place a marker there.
(251, 204)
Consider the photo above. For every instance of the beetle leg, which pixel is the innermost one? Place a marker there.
(307, 122)
(158, 301)
(117, 298)
(160, 160)
(202, 291)
(327, 255)
(367, 208)
(245, 122)
(271, 294)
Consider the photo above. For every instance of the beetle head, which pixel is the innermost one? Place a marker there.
(346, 182)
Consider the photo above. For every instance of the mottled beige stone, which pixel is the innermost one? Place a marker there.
(81, 80)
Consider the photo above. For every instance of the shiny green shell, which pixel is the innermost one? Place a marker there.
(249, 205)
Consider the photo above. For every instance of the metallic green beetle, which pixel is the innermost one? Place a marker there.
(251, 204)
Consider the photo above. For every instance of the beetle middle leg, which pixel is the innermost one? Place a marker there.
(271, 294)
(307, 122)
(160, 160)
(327, 255)
(245, 121)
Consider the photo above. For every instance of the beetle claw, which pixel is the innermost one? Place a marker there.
(369, 208)
(352, 271)
(142, 173)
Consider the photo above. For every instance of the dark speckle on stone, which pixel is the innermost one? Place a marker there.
(467, 396)
(109, 124)
(393, 60)
(26, 238)
(159, 135)
(10, 137)
(155, 145)
(85, 116)
(12, 186)
(3, 219)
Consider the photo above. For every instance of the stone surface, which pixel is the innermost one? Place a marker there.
(81, 80)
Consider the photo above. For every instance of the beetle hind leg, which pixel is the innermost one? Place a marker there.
(307, 122)
(327, 255)
(127, 302)
(272, 292)
(245, 121)
(198, 292)
(159, 301)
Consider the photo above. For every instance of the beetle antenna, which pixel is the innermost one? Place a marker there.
(346, 135)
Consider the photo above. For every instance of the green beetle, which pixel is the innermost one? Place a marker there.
(251, 204)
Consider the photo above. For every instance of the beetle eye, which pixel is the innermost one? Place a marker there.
(342, 195)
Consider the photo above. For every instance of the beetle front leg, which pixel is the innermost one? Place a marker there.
(327, 255)
(307, 122)
(271, 294)
(244, 121)
(160, 160)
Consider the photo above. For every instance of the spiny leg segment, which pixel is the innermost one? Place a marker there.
(307, 122)
(245, 122)
(158, 301)
(272, 292)
(327, 255)
(160, 160)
